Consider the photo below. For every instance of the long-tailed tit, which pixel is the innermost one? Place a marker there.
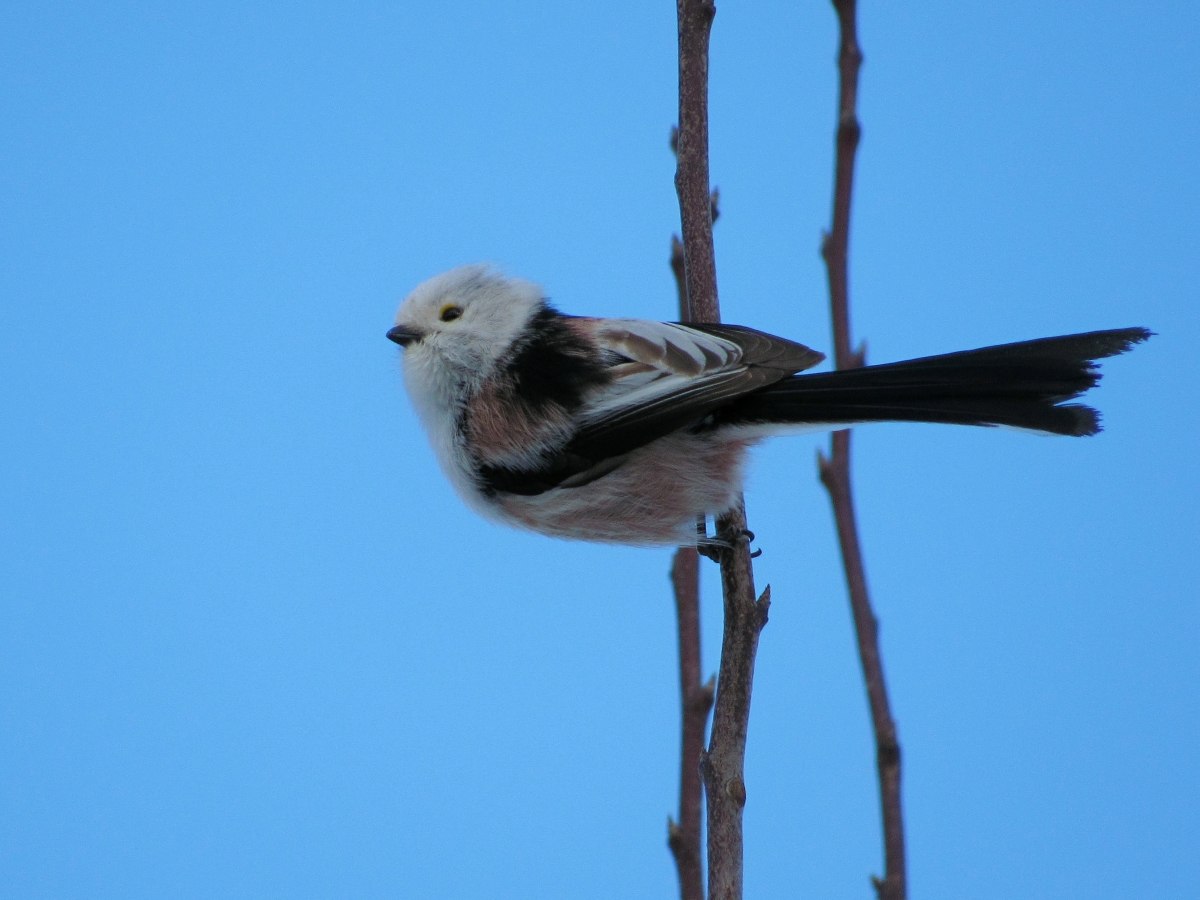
(627, 430)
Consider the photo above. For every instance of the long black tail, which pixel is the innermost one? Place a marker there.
(1023, 385)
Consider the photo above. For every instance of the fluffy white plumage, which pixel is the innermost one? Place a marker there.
(467, 327)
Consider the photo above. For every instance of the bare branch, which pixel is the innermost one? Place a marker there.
(723, 764)
(691, 151)
(696, 699)
(835, 469)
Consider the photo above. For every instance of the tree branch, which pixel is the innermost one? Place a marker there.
(696, 698)
(723, 765)
(835, 469)
(691, 152)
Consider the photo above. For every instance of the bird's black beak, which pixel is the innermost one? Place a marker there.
(403, 336)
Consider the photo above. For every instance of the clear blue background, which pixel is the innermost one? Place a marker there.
(252, 645)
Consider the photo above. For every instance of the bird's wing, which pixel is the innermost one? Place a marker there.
(661, 377)
(666, 376)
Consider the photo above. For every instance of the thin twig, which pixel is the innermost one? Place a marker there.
(691, 152)
(723, 765)
(696, 698)
(835, 469)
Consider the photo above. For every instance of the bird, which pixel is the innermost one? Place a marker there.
(626, 431)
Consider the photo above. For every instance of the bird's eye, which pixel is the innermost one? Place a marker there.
(450, 312)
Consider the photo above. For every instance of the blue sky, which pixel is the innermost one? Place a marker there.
(252, 645)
